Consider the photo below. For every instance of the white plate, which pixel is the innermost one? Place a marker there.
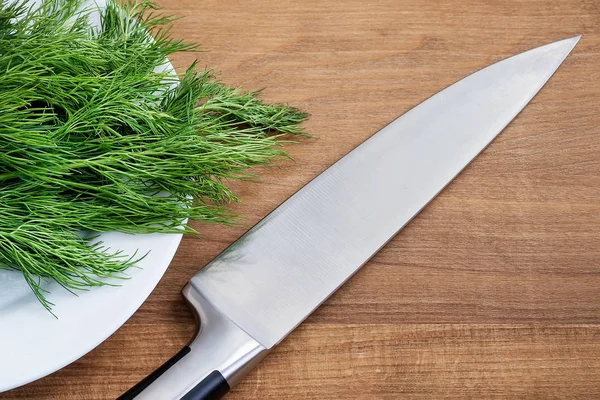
(34, 344)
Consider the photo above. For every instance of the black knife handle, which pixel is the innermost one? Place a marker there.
(213, 387)
(144, 383)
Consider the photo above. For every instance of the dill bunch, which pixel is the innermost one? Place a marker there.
(96, 135)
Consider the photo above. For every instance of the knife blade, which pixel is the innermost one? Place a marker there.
(253, 294)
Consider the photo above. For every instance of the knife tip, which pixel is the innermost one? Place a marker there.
(574, 39)
(566, 45)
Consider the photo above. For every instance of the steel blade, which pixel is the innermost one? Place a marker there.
(275, 275)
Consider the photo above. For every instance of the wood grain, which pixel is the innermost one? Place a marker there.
(492, 292)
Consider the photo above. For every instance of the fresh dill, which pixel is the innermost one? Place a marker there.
(96, 136)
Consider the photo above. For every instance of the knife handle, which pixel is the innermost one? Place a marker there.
(218, 358)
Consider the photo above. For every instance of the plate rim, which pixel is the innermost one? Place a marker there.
(111, 329)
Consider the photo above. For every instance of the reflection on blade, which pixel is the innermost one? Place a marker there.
(275, 275)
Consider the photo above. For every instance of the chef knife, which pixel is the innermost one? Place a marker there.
(253, 294)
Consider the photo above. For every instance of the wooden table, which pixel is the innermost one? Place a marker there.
(492, 292)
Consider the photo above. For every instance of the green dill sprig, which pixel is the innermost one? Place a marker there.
(95, 135)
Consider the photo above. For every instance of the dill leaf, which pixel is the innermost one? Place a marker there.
(96, 136)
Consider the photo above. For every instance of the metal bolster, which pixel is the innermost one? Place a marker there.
(220, 344)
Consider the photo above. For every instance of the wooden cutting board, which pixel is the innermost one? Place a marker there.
(492, 292)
